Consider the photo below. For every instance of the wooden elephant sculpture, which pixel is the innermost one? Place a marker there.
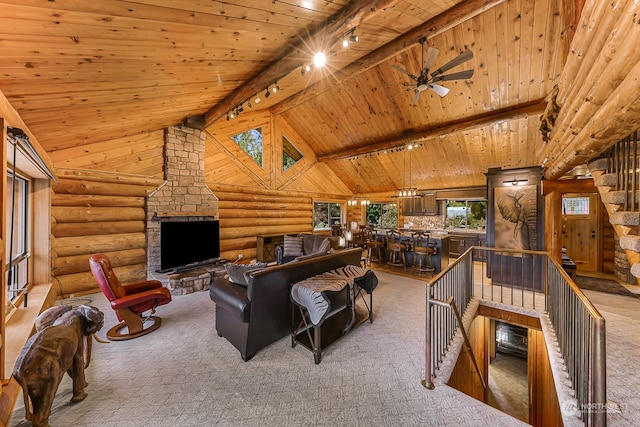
(58, 346)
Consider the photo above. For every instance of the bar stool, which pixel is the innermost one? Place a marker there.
(423, 249)
(373, 245)
(396, 250)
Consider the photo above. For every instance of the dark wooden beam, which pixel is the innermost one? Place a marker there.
(563, 186)
(512, 113)
(437, 25)
(351, 16)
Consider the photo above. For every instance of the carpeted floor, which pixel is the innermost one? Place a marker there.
(603, 285)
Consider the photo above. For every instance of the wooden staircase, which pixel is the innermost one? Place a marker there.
(617, 176)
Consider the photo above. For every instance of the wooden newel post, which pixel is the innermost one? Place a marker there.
(553, 228)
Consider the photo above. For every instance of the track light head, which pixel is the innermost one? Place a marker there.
(267, 93)
(354, 38)
(275, 87)
(257, 100)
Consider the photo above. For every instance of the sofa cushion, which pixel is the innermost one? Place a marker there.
(237, 272)
(292, 246)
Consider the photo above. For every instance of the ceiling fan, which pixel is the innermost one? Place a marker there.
(424, 81)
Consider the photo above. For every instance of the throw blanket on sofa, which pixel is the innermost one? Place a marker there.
(309, 293)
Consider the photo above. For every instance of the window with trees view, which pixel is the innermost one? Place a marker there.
(383, 215)
(251, 142)
(326, 214)
(465, 213)
(290, 154)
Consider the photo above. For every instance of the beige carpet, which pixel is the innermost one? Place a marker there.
(183, 374)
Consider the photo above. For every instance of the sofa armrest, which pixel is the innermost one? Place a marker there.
(280, 258)
(231, 298)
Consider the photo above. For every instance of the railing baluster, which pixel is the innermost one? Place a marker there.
(579, 328)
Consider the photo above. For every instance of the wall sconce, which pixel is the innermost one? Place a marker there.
(515, 181)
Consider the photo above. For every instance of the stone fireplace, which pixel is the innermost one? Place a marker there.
(183, 196)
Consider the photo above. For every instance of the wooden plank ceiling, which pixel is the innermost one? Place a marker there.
(86, 72)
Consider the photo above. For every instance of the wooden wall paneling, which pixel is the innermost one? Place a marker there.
(464, 376)
(544, 407)
(300, 168)
(220, 137)
(117, 155)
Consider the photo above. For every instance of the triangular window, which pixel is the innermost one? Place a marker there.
(251, 142)
(290, 154)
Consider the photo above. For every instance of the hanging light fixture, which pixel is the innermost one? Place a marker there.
(406, 192)
(358, 190)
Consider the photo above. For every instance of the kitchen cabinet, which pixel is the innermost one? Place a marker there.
(460, 242)
(425, 204)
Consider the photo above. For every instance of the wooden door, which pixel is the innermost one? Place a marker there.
(582, 230)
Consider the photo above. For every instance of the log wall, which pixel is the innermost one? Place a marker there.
(247, 212)
(93, 212)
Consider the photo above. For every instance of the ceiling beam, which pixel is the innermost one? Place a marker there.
(351, 16)
(511, 113)
(446, 20)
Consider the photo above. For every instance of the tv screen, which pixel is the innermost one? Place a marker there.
(188, 242)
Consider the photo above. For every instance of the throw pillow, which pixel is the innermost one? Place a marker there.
(292, 246)
(324, 246)
(236, 271)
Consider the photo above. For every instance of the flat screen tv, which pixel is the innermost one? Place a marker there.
(184, 243)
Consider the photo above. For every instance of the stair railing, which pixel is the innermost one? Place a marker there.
(500, 275)
(623, 162)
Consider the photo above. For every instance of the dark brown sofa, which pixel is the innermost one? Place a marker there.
(311, 244)
(260, 314)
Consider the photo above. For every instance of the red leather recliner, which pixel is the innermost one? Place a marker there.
(130, 301)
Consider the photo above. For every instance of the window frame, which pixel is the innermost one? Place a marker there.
(340, 205)
(481, 223)
(18, 272)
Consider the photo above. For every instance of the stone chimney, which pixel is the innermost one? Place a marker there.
(183, 196)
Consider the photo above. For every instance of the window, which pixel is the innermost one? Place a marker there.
(575, 205)
(326, 214)
(17, 246)
(465, 213)
(251, 142)
(290, 154)
(383, 215)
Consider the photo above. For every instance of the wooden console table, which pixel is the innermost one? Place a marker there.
(266, 247)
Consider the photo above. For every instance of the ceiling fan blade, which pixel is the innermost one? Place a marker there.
(432, 53)
(463, 57)
(460, 75)
(440, 90)
(402, 70)
(414, 101)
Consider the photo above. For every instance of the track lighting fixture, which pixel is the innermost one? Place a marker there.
(240, 109)
(249, 103)
(257, 100)
(275, 87)
(232, 114)
(353, 38)
(228, 116)
(345, 42)
(267, 93)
